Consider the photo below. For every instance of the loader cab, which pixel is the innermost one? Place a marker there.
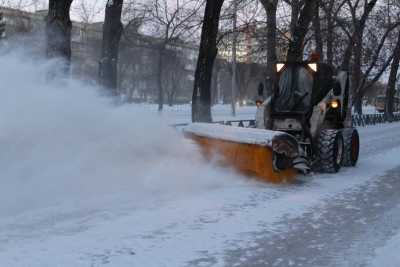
(293, 97)
(299, 88)
(294, 88)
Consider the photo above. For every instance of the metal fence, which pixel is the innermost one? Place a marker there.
(372, 119)
(358, 121)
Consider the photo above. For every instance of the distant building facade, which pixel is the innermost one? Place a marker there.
(138, 62)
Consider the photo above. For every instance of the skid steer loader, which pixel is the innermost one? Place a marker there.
(311, 103)
(307, 126)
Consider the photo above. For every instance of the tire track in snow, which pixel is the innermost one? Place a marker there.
(205, 219)
(343, 231)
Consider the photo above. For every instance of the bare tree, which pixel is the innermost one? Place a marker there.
(201, 100)
(112, 31)
(23, 4)
(296, 43)
(58, 32)
(355, 45)
(172, 23)
(173, 76)
(234, 88)
(317, 31)
(391, 87)
(2, 26)
(131, 65)
(295, 6)
(87, 10)
(271, 9)
(331, 10)
(376, 59)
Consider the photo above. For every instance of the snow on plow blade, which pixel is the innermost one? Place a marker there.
(256, 152)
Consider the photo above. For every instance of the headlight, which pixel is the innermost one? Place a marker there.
(279, 67)
(313, 66)
(334, 104)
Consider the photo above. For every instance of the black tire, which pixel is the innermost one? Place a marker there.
(351, 147)
(330, 151)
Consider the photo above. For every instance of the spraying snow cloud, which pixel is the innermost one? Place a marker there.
(62, 141)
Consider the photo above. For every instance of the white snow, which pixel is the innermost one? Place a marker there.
(388, 255)
(87, 183)
(234, 134)
(62, 141)
(173, 232)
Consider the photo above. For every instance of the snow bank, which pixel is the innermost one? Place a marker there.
(62, 142)
(234, 134)
(388, 255)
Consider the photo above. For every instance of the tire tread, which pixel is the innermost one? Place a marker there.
(326, 151)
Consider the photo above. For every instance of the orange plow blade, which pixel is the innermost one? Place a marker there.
(248, 150)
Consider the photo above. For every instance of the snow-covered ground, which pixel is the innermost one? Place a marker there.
(388, 255)
(182, 113)
(369, 110)
(88, 183)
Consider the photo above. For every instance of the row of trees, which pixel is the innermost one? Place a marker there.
(2, 26)
(362, 36)
(358, 36)
(170, 23)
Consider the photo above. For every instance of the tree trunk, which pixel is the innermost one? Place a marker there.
(391, 87)
(2, 26)
(129, 97)
(159, 77)
(271, 9)
(214, 83)
(358, 29)
(234, 88)
(295, 6)
(317, 33)
(58, 32)
(201, 100)
(112, 31)
(329, 36)
(354, 48)
(347, 55)
(295, 52)
(357, 72)
(171, 96)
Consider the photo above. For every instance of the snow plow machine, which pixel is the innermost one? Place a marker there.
(306, 126)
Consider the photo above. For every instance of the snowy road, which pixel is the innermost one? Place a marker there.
(330, 220)
(348, 228)
(343, 230)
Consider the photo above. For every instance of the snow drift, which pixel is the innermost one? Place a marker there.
(63, 142)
